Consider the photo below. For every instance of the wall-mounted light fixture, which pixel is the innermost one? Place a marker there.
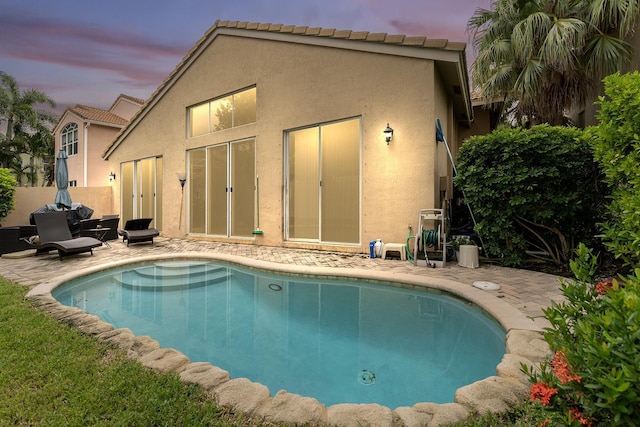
(183, 179)
(112, 177)
(388, 134)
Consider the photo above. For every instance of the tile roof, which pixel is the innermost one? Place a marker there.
(397, 39)
(133, 99)
(98, 115)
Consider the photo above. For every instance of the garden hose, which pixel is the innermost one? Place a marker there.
(430, 238)
(409, 254)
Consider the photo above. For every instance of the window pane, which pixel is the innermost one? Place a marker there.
(197, 190)
(303, 184)
(217, 192)
(199, 119)
(159, 174)
(243, 185)
(146, 189)
(341, 182)
(127, 183)
(244, 106)
(221, 113)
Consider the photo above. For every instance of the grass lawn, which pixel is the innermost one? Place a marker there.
(51, 374)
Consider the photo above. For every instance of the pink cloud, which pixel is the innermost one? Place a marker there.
(134, 57)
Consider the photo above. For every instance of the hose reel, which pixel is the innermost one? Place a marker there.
(430, 237)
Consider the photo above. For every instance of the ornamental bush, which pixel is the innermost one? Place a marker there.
(7, 192)
(531, 189)
(594, 377)
(616, 145)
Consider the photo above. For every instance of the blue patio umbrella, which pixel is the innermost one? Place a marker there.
(63, 198)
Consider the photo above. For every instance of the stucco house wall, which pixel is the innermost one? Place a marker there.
(299, 85)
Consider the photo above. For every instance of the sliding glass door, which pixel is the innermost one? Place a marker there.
(142, 190)
(323, 183)
(222, 189)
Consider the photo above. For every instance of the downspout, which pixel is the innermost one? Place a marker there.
(86, 150)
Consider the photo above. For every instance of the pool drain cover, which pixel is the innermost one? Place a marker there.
(487, 286)
(366, 377)
(275, 287)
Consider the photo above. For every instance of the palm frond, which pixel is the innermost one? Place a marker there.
(527, 85)
(606, 15)
(605, 54)
(563, 43)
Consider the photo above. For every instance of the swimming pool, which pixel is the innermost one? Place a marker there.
(335, 340)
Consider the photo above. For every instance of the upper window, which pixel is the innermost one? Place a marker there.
(69, 139)
(223, 113)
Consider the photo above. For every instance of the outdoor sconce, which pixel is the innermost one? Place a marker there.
(112, 177)
(183, 179)
(388, 134)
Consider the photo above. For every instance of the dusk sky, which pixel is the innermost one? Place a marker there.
(89, 52)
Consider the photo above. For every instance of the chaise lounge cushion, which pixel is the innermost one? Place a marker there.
(138, 231)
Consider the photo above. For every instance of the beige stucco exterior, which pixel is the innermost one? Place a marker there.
(304, 80)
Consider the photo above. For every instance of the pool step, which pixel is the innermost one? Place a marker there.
(173, 276)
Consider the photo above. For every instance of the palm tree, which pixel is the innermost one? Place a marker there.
(542, 57)
(27, 130)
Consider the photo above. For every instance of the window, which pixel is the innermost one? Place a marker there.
(69, 139)
(223, 113)
(73, 183)
(323, 183)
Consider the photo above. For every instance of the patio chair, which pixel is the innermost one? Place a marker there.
(54, 234)
(138, 231)
(88, 227)
(15, 239)
(110, 222)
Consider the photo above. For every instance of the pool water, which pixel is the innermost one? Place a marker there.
(339, 341)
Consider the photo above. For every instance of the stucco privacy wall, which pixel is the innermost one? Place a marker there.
(298, 86)
(28, 199)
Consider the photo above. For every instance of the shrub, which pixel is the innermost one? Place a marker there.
(7, 192)
(616, 145)
(594, 377)
(531, 189)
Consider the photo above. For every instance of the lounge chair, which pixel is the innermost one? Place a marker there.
(16, 239)
(88, 227)
(54, 233)
(111, 222)
(138, 231)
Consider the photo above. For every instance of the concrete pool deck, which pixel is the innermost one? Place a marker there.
(517, 305)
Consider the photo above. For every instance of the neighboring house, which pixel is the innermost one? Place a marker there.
(85, 132)
(278, 132)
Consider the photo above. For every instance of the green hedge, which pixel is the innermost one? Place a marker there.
(7, 192)
(531, 189)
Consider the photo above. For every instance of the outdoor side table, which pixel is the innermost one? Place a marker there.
(100, 233)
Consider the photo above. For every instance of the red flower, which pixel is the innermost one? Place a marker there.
(577, 416)
(542, 392)
(603, 287)
(561, 369)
